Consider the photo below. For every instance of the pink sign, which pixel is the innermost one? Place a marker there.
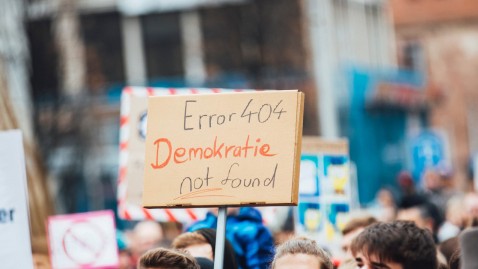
(84, 240)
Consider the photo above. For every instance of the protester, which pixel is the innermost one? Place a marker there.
(450, 249)
(384, 206)
(195, 244)
(455, 218)
(251, 240)
(423, 213)
(406, 183)
(161, 258)
(301, 253)
(437, 186)
(229, 254)
(146, 235)
(454, 262)
(395, 245)
(471, 207)
(202, 243)
(351, 230)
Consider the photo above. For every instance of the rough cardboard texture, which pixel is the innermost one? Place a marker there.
(223, 149)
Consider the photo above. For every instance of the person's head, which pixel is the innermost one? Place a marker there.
(301, 253)
(454, 262)
(395, 245)
(194, 243)
(471, 204)
(406, 183)
(161, 258)
(146, 235)
(202, 243)
(425, 214)
(353, 228)
(456, 212)
(449, 247)
(432, 180)
(386, 197)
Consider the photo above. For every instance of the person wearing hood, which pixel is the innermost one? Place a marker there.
(252, 242)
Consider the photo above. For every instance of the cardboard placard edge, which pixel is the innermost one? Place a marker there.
(298, 150)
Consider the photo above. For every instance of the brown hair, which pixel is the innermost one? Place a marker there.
(454, 262)
(188, 239)
(302, 245)
(356, 223)
(399, 241)
(167, 258)
(449, 247)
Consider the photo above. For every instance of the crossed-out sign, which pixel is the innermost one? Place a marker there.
(85, 240)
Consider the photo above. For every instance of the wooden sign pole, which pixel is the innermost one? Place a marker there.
(220, 238)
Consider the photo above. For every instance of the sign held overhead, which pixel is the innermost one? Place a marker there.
(223, 149)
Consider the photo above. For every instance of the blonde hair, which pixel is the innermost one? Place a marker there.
(167, 258)
(302, 245)
(188, 239)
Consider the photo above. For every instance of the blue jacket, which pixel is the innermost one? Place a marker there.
(251, 240)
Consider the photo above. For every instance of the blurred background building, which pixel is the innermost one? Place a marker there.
(439, 39)
(377, 72)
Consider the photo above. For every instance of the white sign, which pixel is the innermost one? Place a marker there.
(15, 249)
(84, 240)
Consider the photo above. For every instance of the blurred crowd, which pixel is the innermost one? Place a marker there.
(427, 225)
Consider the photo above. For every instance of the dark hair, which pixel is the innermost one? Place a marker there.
(399, 241)
(167, 258)
(229, 254)
(356, 223)
(431, 211)
(205, 263)
(302, 245)
(449, 247)
(454, 262)
(427, 210)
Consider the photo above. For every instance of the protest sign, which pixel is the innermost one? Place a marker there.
(14, 228)
(84, 240)
(223, 149)
(325, 195)
(133, 122)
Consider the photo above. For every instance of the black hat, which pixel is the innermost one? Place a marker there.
(229, 254)
(205, 263)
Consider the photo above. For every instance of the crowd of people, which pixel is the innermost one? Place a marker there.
(431, 227)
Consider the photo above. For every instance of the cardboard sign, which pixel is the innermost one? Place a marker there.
(85, 240)
(223, 149)
(134, 107)
(326, 194)
(15, 251)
